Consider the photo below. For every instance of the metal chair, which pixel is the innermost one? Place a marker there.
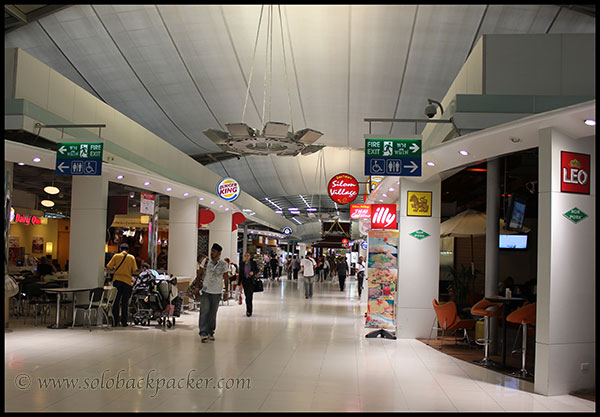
(107, 303)
(94, 305)
(486, 309)
(524, 316)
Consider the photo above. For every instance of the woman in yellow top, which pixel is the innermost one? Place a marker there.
(124, 266)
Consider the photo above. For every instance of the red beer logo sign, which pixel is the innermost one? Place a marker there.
(343, 188)
(383, 216)
(574, 173)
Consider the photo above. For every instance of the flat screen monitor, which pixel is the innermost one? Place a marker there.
(515, 214)
(513, 241)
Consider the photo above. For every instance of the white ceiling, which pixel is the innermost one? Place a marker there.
(181, 69)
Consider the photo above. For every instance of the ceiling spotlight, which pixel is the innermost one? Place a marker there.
(212, 202)
(47, 203)
(381, 201)
(201, 198)
(590, 122)
(169, 188)
(220, 205)
(120, 177)
(186, 194)
(147, 183)
(391, 190)
(131, 195)
(50, 189)
(37, 159)
(431, 163)
(226, 208)
(515, 140)
(463, 152)
(21, 163)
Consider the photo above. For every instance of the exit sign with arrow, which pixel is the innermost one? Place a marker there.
(393, 156)
(79, 159)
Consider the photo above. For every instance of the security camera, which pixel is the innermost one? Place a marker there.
(430, 110)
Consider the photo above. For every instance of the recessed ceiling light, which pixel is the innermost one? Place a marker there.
(131, 195)
(50, 189)
(169, 189)
(381, 201)
(391, 190)
(37, 159)
(212, 202)
(226, 208)
(135, 205)
(21, 163)
(220, 205)
(463, 152)
(186, 194)
(431, 163)
(384, 194)
(147, 183)
(119, 177)
(47, 203)
(590, 122)
(515, 140)
(201, 198)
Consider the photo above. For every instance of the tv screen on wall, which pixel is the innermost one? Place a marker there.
(515, 214)
(513, 241)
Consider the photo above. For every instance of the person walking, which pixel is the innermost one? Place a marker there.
(308, 272)
(274, 263)
(325, 269)
(360, 274)
(246, 277)
(289, 267)
(124, 265)
(296, 267)
(342, 270)
(215, 274)
(318, 269)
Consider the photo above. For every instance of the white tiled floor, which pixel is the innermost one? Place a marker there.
(298, 355)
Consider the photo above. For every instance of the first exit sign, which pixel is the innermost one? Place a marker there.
(574, 173)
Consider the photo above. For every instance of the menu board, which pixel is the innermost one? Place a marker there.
(147, 204)
(382, 271)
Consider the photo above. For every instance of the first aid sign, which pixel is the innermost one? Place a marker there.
(574, 173)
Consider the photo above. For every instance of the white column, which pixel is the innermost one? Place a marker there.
(302, 251)
(418, 263)
(566, 282)
(89, 200)
(183, 237)
(220, 232)
(491, 241)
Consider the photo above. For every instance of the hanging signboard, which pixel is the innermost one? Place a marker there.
(574, 173)
(228, 189)
(343, 188)
(382, 270)
(393, 156)
(147, 203)
(419, 203)
(383, 216)
(79, 159)
(360, 211)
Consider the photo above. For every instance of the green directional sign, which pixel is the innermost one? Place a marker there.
(420, 234)
(575, 215)
(392, 148)
(79, 150)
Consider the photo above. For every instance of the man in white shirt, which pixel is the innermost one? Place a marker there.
(216, 271)
(307, 266)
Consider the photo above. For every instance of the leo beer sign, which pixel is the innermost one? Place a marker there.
(574, 173)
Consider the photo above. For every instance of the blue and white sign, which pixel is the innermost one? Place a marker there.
(79, 158)
(78, 167)
(390, 156)
(364, 245)
(287, 230)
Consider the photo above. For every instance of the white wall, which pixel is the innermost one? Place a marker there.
(418, 264)
(566, 295)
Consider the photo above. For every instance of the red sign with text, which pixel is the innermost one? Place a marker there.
(343, 188)
(384, 216)
(574, 173)
(360, 211)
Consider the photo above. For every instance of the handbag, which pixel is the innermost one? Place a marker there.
(11, 288)
(258, 285)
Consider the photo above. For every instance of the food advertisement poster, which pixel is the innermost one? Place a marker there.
(37, 245)
(383, 278)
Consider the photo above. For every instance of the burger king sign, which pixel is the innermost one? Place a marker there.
(343, 188)
(228, 189)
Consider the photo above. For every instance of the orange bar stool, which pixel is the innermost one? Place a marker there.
(448, 319)
(486, 309)
(523, 316)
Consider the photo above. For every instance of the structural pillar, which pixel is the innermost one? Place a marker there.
(8, 187)
(245, 241)
(183, 237)
(89, 201)
(220, 232)
(418, 262)
(491, 242)
(565, 352)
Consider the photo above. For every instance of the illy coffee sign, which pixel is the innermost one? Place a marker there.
(343, 188)
(574, 173)
(383, 216)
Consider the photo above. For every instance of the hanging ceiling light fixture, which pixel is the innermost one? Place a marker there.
(275, 138)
